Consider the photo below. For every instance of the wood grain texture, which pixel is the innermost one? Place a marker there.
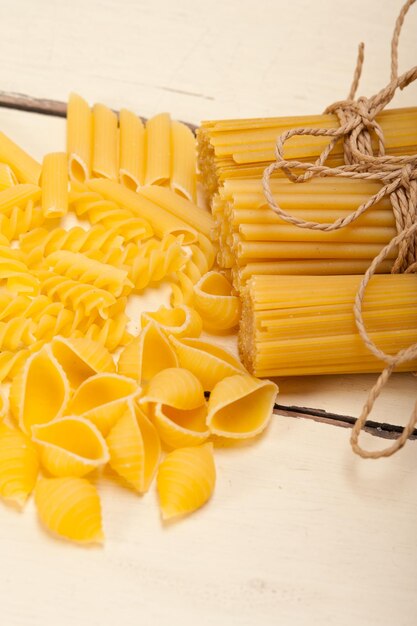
(299, 531)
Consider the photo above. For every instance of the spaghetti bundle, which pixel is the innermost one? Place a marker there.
(255, 240)
(230, 149)
(294, 326)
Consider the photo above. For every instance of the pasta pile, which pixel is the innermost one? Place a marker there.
(242, 148)
(294, 326)
(81, 237)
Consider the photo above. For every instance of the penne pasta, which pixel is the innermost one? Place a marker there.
(183, 161)
(131, 150)
(26, 169)
(7, 177)
(55, 185)
(79, 138)
(105, 142)
(158, 150)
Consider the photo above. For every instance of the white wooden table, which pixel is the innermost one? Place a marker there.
(299, 531)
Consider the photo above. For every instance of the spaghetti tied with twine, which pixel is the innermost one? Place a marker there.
(398, 175)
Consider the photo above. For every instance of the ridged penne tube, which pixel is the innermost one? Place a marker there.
(213, 299)
(147, 354)
(79, 267)
(240, 406)
(163, 223)
(134, 448)
(79, 138)
(81, 358)
(104, 142)
(182, 321)
(102, 399)
(23, 165)
(183, 161)
(208, 362)
(17, 196)
(19, 465)
(40, 392)
(131, 150)
(188, 212)
(176, 387)
(70, 508)
(70, 446)
(7, 177)
(55, 185)
(158, 149)
(186, 479)
(181, 427)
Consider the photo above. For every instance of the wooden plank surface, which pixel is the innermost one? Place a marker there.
(299, 531)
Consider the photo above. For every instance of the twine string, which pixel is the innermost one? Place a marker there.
(398, 176)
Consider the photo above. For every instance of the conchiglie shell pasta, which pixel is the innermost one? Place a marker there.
(240, 406)
(82, 358)
(213, 299)
(134, 448)
(40, 392)
(179, 427)
(70, 508)
(70, 446)
(102, 399)
(186, 480)
(175, 387)
(181, 321)
(208, 362)
(147, 354)
(19, 465)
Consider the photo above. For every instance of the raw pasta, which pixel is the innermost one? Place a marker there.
(176, 387)
(213, 299)
(182, 321)
(158, 150)
(79, 138)
(183, 162)
(55, 185)
(104, 142)
(70, 508)
(7, 177)
(186, 480)
(19, 466)
(131, 150)
(26, 169)
(81, 358)
(240, 406)
(147, 355)
(40, 392)
(70, 446)
(134, 448)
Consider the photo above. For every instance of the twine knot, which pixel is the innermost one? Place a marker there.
(359, 131)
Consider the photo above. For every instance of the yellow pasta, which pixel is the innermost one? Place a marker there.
(104, 142)
(181, 208)
(23, 165)
(75, 294)
(55, 185)
(70, 508)
(91, 205)
(79, 267)
(4, 405)
(180, 427)
(70, 446)
(17, 196)
(19, 466)
(182, 321)
(7, 177)
(186, 480)
(81, 358)
(79, 138)
(112, 333)
(213, 299)
(147, 354)
(15, 272)
(102, 399)
(163, 223)
(208, 362)
(40, 392)
(183, 162)
(158, 150)
(240, 406)
(176, 387)
(20, 220)
(131, 150)
(134, 448)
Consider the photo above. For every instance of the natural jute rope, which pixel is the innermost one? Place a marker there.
(398, 176)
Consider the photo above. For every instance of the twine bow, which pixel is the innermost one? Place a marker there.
(398, 175)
